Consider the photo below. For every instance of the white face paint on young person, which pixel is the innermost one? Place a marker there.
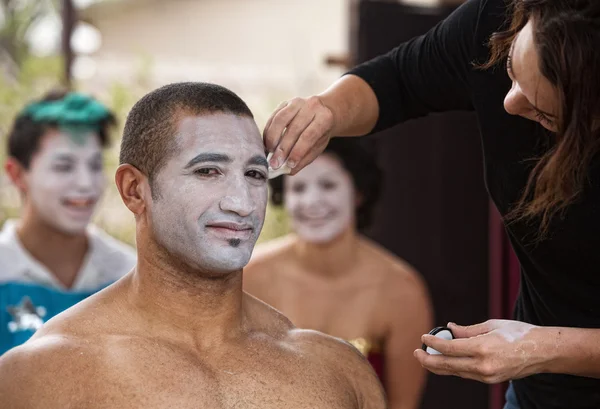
(321, 200)
(210, 197)
(66, 180)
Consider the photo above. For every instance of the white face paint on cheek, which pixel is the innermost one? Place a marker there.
(194, 199)
(321, 200)
(66, 181)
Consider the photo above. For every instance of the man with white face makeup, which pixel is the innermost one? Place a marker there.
(51, 258)
(178, 331)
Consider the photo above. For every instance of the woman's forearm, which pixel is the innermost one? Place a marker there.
(574, 351)
(353, 104)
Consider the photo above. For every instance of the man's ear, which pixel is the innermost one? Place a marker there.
(133, 187)
(16, 173)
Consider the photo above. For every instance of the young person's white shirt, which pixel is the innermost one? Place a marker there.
(107, 260)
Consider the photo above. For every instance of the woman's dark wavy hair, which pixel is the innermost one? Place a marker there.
(359, 160)
(567, 37)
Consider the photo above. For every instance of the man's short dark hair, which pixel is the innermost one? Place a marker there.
(24, 137)
(148, 138)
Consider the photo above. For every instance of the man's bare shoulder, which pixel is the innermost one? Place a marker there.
(344, 363)
(46, 372)
(86, 319)
(60, 357)
(329, 360)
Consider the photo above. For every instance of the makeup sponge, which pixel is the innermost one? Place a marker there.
(283, 169)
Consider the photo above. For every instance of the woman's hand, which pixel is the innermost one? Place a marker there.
(300, 129)
(491, 352)
(307, 123)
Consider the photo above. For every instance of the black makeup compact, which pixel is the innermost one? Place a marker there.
(440, 332)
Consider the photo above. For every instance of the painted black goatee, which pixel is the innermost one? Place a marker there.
(234, 242)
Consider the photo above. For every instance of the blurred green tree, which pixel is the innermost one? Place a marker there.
(17, 17)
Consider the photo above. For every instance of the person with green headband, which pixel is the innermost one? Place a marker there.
(52, 258)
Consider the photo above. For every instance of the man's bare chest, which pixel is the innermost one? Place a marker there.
(275, 396)
(241, 380)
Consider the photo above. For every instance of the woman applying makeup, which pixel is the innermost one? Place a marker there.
(529, 69)
(328, 277)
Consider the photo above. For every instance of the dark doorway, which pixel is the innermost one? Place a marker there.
(434, 209)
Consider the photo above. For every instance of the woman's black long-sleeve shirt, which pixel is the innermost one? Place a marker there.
(560, 276)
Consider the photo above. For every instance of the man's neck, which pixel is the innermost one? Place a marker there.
(329, 260)
(62, 254)
(186, 305)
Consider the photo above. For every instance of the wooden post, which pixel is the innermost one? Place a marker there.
(68, 25)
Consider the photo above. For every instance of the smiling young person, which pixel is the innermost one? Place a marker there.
(51, 257)
(529, 69)
(178, 331)
(329, 277)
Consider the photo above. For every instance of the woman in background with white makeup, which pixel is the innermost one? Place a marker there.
(51, 258)
(326, 276)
